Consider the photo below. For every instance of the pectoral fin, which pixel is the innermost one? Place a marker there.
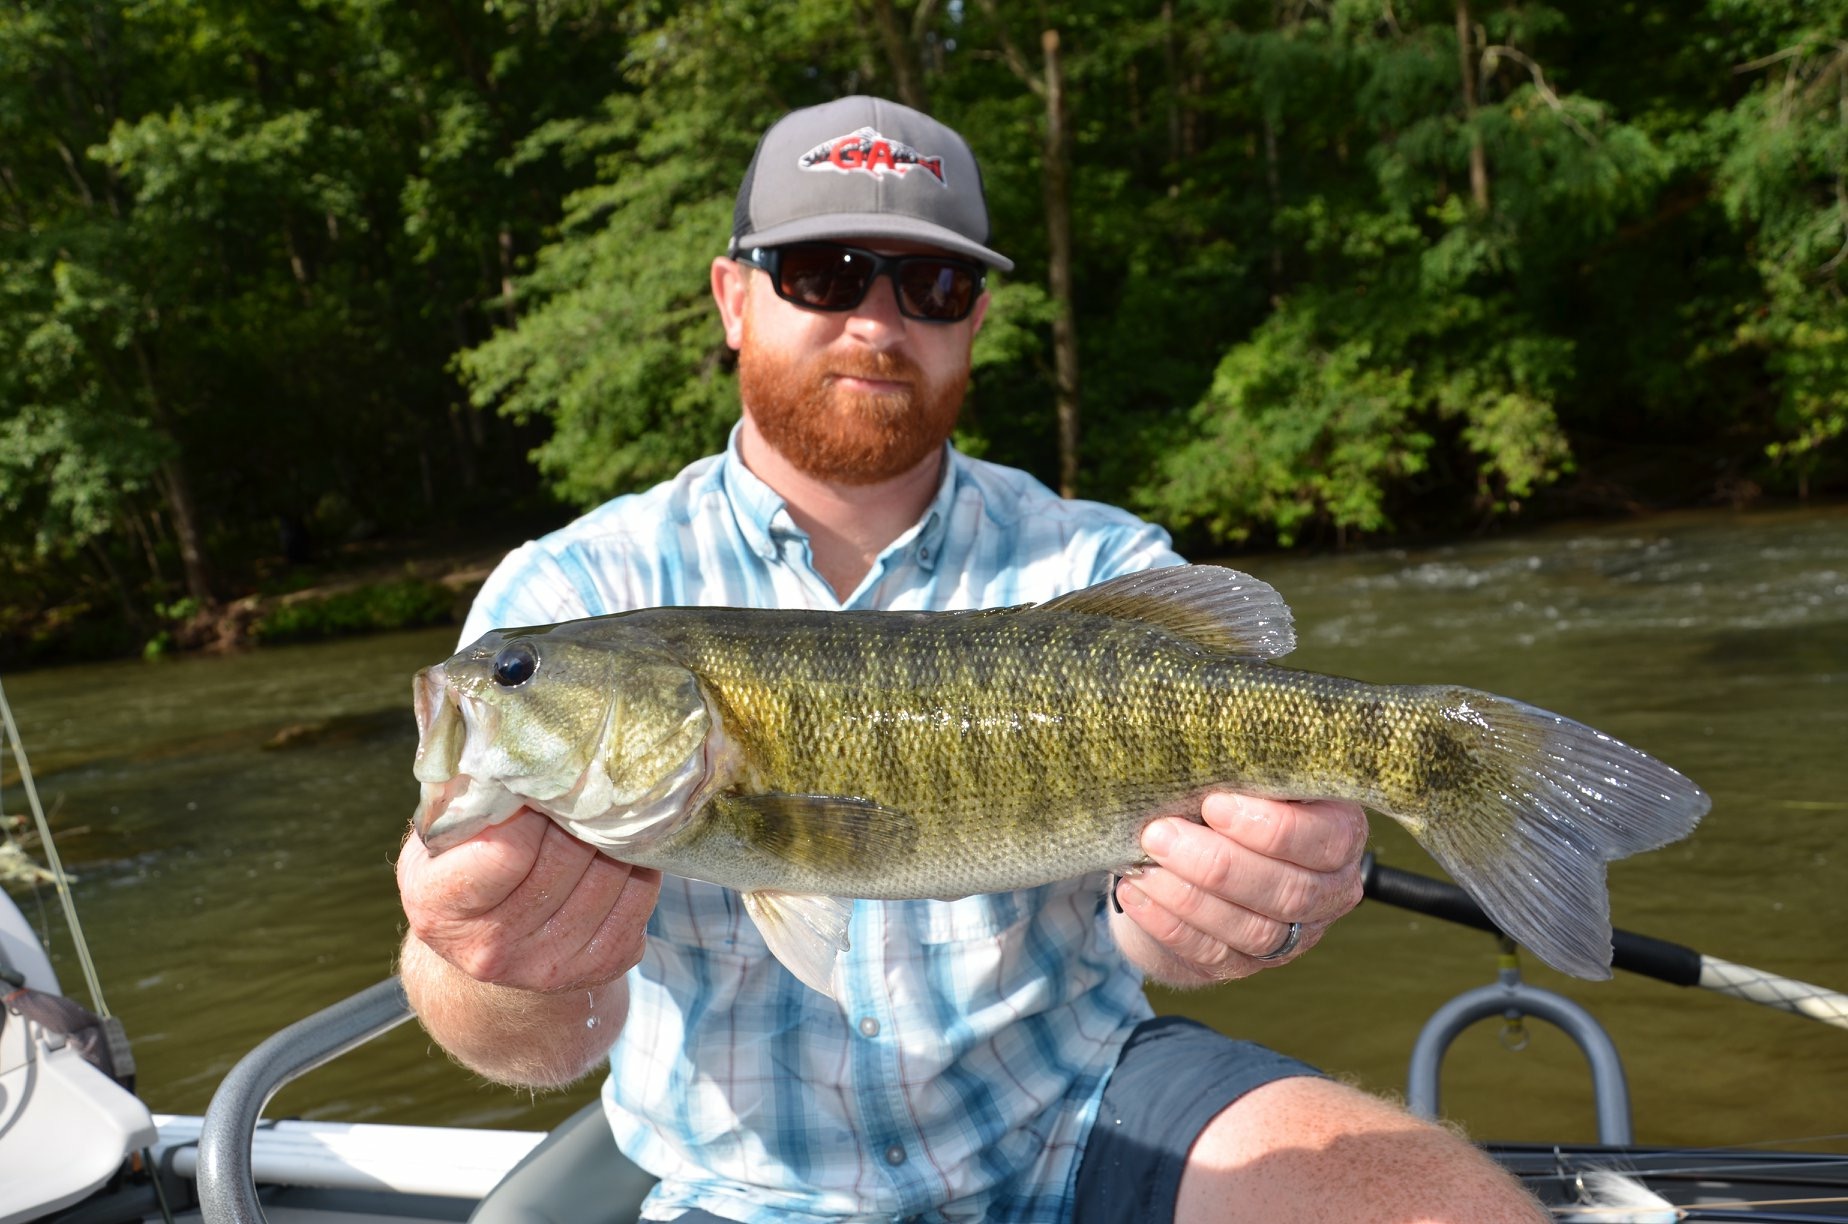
(824, 833)
(807, 934)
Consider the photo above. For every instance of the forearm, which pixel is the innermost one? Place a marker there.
(519, 1037)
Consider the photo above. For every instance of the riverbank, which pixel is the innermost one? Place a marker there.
(375, 597)
(361, 587)
(387, 584)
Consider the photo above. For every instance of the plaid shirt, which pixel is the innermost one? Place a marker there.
(959, 1078)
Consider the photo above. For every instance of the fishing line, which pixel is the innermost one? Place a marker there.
(63, 884)
(1638, 1168)
(59, 879)
(1693, 1211)
(1790, 1143)
(1639, 1164)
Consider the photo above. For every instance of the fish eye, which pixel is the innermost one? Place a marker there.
(515, 664)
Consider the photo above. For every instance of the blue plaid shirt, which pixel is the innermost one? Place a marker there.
(960, 1077)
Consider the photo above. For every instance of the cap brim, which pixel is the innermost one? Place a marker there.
(841, 227)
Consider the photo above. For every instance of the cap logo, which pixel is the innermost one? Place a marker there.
(867, 152)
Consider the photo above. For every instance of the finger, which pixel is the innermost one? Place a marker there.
(585, 898)
(597, 934)
(616, 944)
(1226, 868)
(1320, 834)
(471, 879)
(557, 868)
(576, 919)
(1228, 942)
(483, 900)
(1211, 920)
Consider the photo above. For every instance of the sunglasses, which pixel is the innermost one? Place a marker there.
(828, 276)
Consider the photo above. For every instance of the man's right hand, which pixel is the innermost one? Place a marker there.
(517, 937)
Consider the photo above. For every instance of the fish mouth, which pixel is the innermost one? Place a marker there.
(453, 806)
(451, 812)
(442, 732)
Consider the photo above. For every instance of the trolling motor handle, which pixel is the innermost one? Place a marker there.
(1644, 954)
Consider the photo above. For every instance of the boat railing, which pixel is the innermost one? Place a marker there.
(1515, 1000)
(226, 1178)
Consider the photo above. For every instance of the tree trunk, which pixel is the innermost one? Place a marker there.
(138, 524)
(131, 615)
(176, 490)
(1466, 61)
(901, 56)
(508, 306)
(1273, 186)
(1058, 196)
(1171, 61)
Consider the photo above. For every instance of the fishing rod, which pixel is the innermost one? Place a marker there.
(50, 849)
(1641, 954)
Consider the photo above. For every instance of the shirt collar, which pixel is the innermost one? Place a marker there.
(760, 511)
(764, 520)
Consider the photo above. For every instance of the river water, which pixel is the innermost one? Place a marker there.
(230, 885)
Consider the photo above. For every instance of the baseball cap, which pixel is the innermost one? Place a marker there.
(863, 167)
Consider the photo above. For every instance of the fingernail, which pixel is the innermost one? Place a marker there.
(1130, 897)
(1158, 838)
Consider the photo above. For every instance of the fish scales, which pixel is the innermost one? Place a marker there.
(1032, 772)
(809, 758)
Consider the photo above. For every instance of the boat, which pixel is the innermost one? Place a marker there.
(78, 1146)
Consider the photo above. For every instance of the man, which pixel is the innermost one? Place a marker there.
(988, 1058)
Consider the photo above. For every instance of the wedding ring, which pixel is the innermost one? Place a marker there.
(1287, 946)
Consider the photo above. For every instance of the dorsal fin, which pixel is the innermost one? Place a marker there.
(1209, 605)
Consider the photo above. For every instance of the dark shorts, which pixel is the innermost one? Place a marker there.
(1172, 1078)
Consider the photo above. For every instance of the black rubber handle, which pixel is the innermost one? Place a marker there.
(1644, 954)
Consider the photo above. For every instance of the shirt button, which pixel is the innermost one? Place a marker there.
(895, 1155)
(869, 1027)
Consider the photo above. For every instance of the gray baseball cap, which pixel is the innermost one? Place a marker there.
(861, 167)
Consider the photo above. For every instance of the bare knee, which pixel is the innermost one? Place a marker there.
(1304, 1150)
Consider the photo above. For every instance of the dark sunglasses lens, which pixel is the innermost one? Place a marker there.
(935, 289)
(824, 278)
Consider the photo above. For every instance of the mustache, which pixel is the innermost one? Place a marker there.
(882, 365)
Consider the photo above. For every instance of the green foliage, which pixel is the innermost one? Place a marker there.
(406, 604)
(619, 350)
(427, 263)
(1782, 174)
(1290, 430)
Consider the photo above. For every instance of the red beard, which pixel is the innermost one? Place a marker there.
(842, 436)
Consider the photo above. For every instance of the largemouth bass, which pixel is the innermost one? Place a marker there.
(810, 758)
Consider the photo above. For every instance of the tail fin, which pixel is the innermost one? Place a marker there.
(1551, 801)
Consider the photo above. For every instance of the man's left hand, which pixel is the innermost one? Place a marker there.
(1221, 896)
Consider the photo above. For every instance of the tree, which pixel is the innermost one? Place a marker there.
(1782, 174)
(241, 245)
(1408, 328)
(618, 349)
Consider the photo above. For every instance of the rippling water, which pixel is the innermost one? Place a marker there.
(229, 887)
